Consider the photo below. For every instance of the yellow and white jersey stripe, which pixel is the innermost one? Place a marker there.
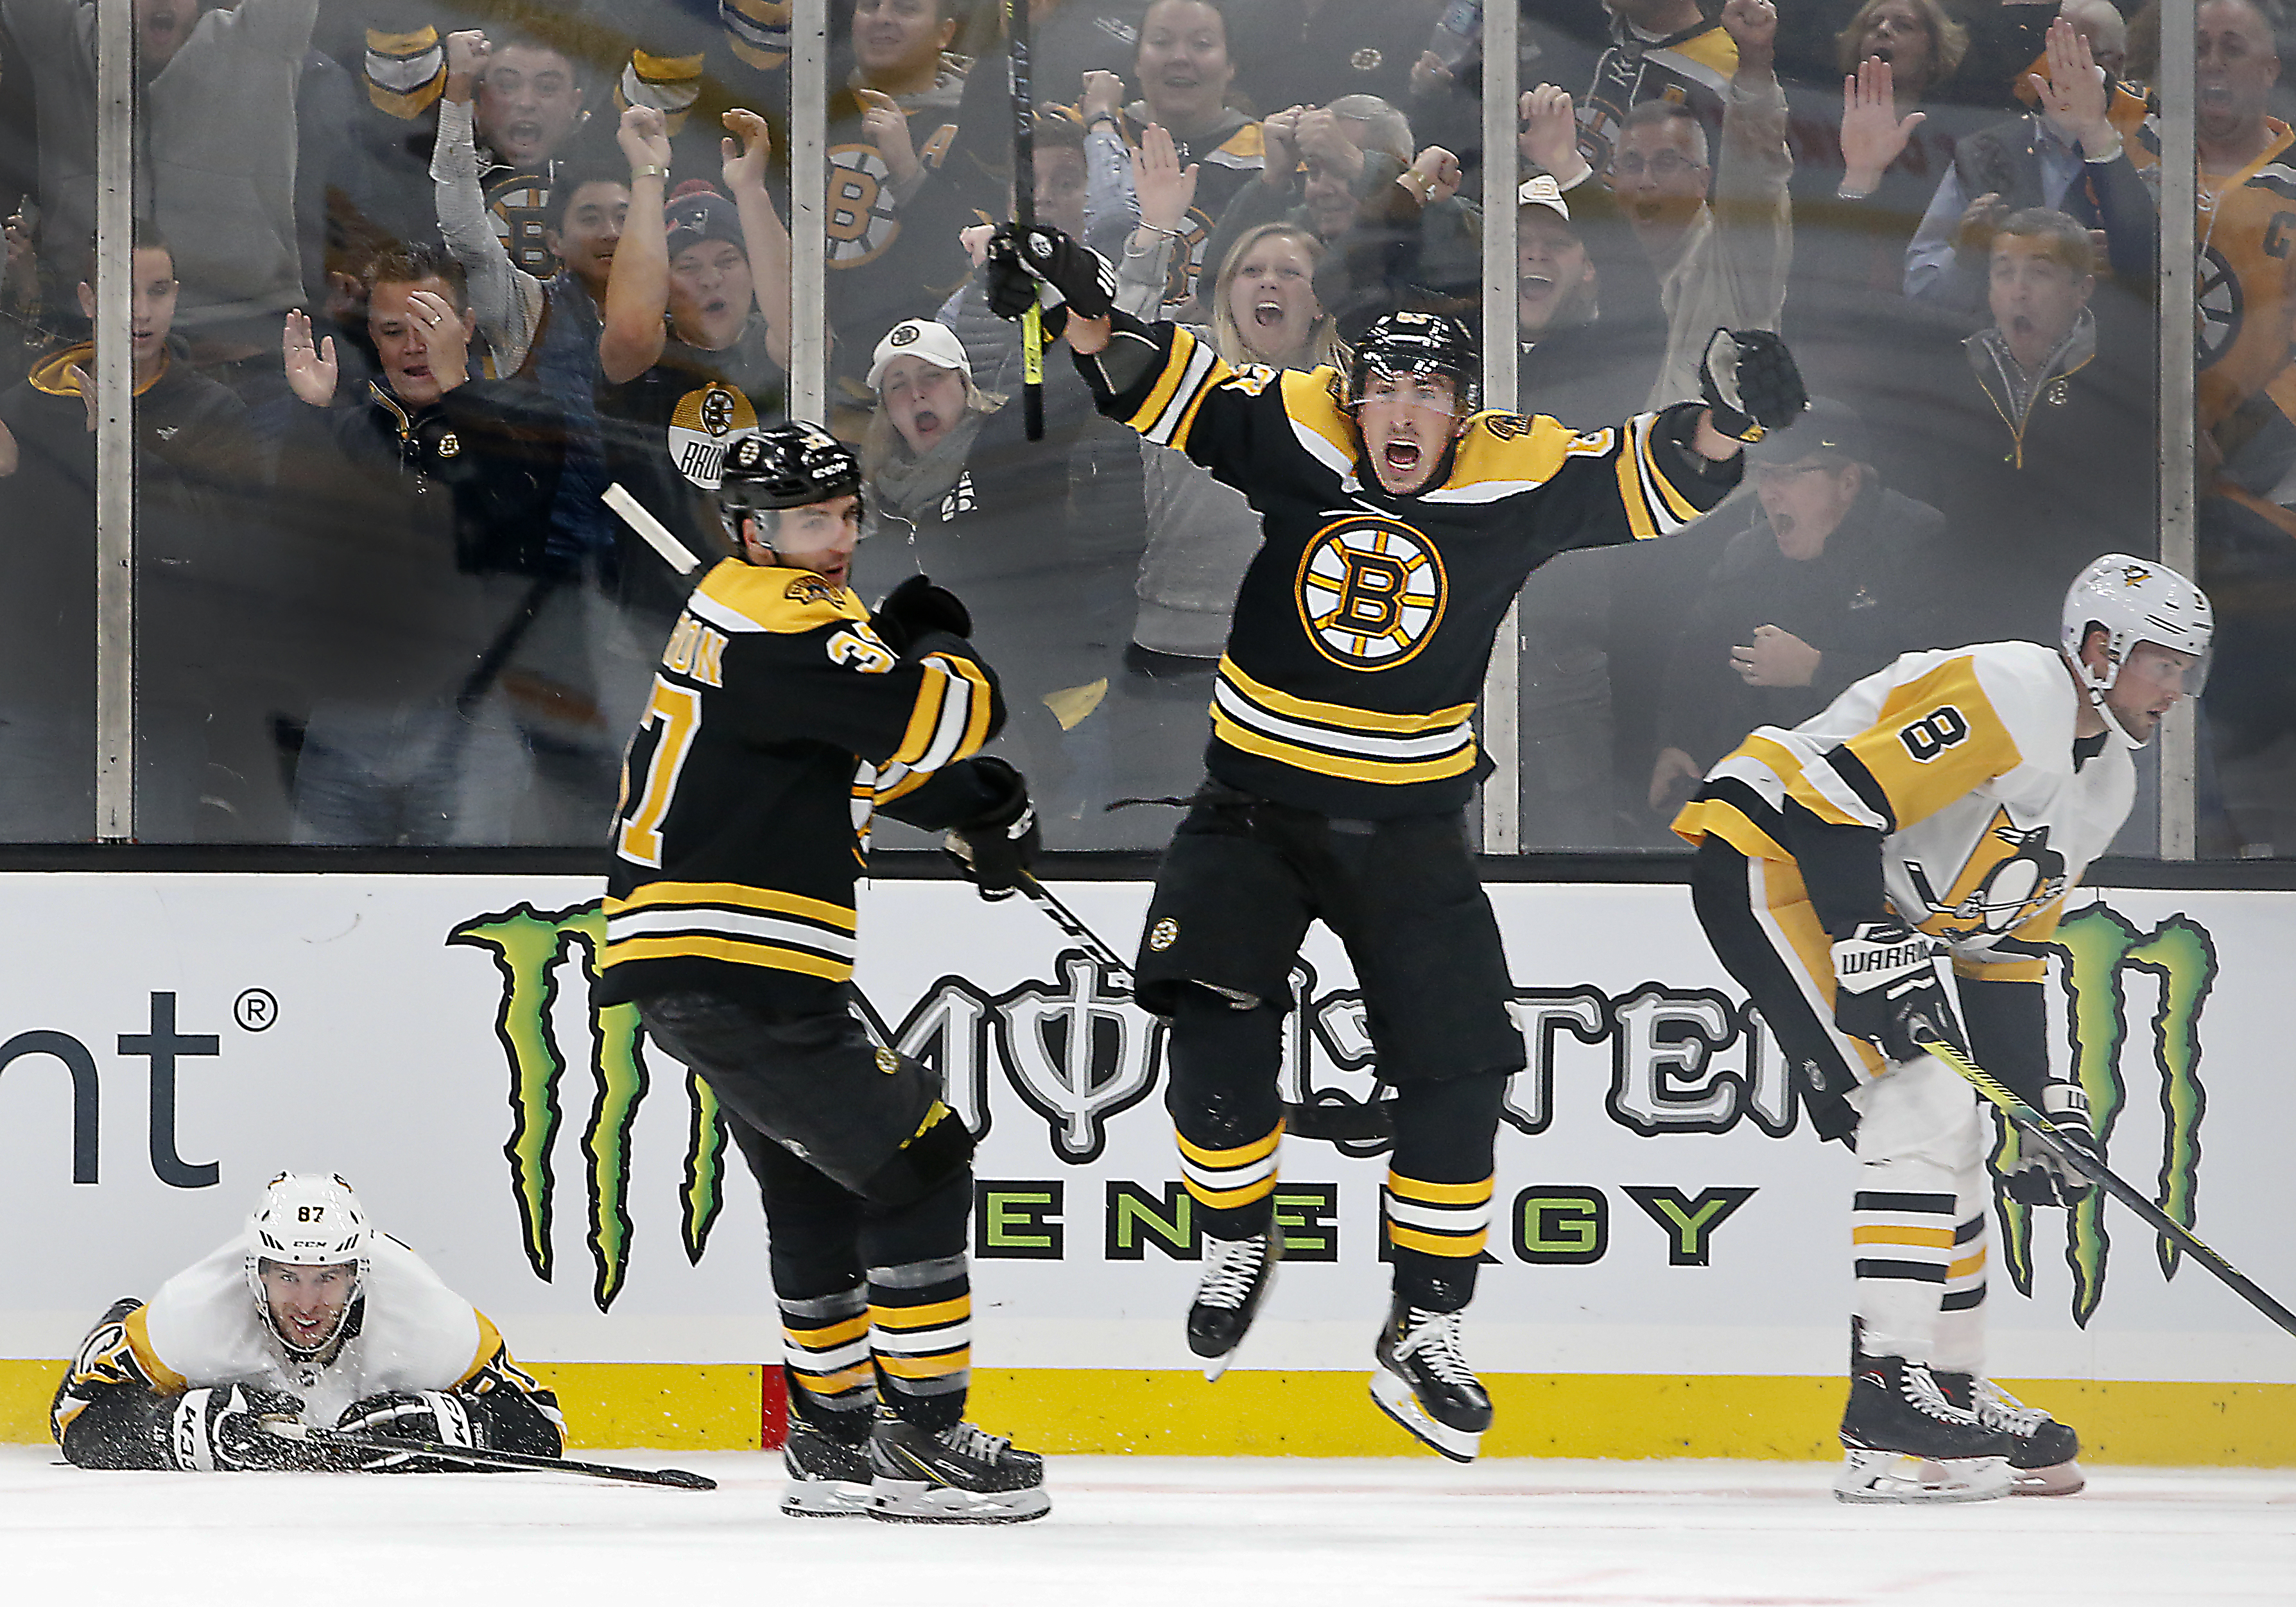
(731, 921)
(1332, 739)
(1963, 759)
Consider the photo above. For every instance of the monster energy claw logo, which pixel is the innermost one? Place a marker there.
(2102, 947)
(532, 950)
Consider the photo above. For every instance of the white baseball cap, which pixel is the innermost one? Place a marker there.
(1544, 192)
(936, 343)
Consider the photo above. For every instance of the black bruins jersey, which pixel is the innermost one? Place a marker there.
(1364, 625)
(779, 722)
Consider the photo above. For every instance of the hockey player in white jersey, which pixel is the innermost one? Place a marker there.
(1940, 807)
(307, 1314)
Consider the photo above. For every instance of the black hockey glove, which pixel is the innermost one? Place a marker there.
(432, 1414)
(220, 1429)
(1020, 259)
(994, 849)
(1751, 383)
(914, 607)
(2038, 1177)
(1885, 986)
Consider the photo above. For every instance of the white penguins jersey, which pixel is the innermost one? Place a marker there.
(1964, 759)
(203, 1328)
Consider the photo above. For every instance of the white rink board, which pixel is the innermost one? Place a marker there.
(384, 1062)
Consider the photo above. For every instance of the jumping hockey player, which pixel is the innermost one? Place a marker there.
(1943, 805)
(309, 1315)
(1397, 521)
(784, 715)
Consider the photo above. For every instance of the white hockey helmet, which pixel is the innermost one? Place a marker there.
(2135, 600)
(306, 1219)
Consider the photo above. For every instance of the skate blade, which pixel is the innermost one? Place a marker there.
(1217, 1366)
(2066, 1479)
(914, 1501)
(1393, 1397)
(1894, 1478)
(825, 1498)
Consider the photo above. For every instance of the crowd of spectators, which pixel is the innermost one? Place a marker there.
(417, 282)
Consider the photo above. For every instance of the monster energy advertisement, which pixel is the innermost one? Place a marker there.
(170, 1042)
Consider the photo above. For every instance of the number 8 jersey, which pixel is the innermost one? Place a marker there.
(778, 724)
(1965, 760)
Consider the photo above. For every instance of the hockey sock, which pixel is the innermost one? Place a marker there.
(1903, 1245)
(825, 1357)
(1961, 1315)
(1222, 1097)
(1438, 1199)
(920, 1313)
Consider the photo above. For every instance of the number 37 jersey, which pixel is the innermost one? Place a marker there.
(1964, 759)
(778, 724)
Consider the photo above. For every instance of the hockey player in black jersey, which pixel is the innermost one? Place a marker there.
(1397, 522)
(783, 716)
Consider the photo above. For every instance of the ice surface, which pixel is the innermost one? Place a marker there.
(1171, 1531)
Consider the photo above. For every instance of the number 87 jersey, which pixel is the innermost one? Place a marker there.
(778, 723)
(1965, 761)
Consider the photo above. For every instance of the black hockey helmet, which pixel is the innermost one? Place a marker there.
(1418, 343)
(792, 465)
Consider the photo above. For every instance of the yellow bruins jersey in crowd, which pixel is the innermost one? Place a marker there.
(778, 722)
(1964, 759)
(1363, 624)
(2244, 228)
(408, 1330)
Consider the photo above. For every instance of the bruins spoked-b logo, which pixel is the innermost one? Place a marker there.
(706, 423)
(1371, 591)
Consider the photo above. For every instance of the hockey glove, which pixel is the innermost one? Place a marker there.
(2038, 1177)
(1752, 384)
(220, 1429)
(1886, 989)
(915, 607)
(994, 850)
(1020, 259)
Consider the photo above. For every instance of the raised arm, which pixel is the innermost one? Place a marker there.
(762, 232)
(506, 297)
(638, 290)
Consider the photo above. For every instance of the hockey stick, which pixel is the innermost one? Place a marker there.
(2046, 1133)
(650, 530)
(1368, 1123)
(1024, 213)
(474, 1456)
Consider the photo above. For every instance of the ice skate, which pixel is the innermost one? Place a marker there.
(1237, 1273)
(1906, 1441)
(828, 1478)
(2041, 1449)
(959, 1474)
(1424, 1383)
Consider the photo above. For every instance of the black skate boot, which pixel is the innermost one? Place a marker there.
(828, 1477)
(2041, 1449)
(1424, 1383)
(953, 1475)
(1237, 1272)
(1906, 1441)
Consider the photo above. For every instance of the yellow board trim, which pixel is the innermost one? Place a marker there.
(738, 895)
(1250, 1412)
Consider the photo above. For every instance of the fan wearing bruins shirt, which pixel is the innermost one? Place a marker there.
(1397, 522)
(308, 1316)
(1944, 806)
(783, 716)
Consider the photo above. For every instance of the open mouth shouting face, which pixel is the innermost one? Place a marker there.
(1271, 296)
(2035, 295)
(711, 294)
(162, 27)
(528, 103)
(1551, 267)
(1182, 64)
(2236, 65)
(1897, 32)
(1408, 421)
(923, 400)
